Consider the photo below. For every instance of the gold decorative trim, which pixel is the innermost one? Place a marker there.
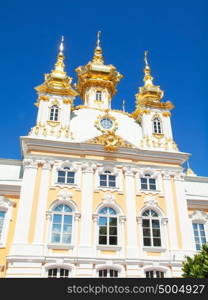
(158, 135)
(111, 141)
(166, 114)
(53, 123)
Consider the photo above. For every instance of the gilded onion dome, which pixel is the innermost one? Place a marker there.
(97, 74)
(57, 82)
(150, 95)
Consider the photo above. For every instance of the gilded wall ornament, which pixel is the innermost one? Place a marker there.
(106, 123)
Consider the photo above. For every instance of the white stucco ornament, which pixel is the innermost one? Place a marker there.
(108, 198)
(64, 195)
(150, 201)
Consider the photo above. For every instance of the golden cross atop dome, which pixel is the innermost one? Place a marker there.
(98, 56)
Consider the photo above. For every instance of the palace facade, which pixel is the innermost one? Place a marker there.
(99, 192)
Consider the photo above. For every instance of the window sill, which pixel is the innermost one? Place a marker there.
(112, 248)
(154, 249)
(69, 185)
(2, 245)
(150, 191)
(106, 188)
(57, 246)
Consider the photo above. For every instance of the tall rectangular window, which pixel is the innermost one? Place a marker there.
(199, 235)
(2, 218)
(148, 183)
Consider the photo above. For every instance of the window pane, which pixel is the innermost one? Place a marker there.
(61, 179)
(146, 213)
(66, 239)
(67, 229)
(113, 221)
(203, 240)
(103, 177)
(144, 186)
(152, 180)
(64, 273)
(59, 208)
(113, 230)
(144, 180)
(61, 173)
(112, 178)
(57, 219)
(103, 183)
(146, 232)
(70, 180)
(146, 223)
(52, 273)
(67, 219)
(56, 228)
(149, 274)
(201, 226)
(112, 183)
(111, 211)
(153, 213)
(113, 273)
(195, 226)
(67, 208)
(155, 224)
(113, 240)
(102, 240)
(103, 221)
(198, 247)
(103, 211)
(152, 187)
(102, 230)
(56, 238)
(147, 242)
(156, 242)
(156, 232)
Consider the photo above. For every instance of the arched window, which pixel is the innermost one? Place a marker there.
(108, 273)
(108, 231)
(151, 228)
(54, 113)
(58, 273)
(2, 220)
(98, 96)
(66, 176)
(157, 126)
(154, 274)
(61, 232)
(199, 235)
(148, 183)
(107, 180)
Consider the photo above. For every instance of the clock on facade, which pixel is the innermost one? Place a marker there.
(106, 123)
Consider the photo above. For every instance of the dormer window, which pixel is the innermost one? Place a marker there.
(98, 96)
(148, 183)
(54, 113)
(157, 126)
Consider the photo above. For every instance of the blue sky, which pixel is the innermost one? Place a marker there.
(174, 33)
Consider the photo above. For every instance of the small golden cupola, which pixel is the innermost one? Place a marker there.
(96, 81)
(150, 95)
(57, 82)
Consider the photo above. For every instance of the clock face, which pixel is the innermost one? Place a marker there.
(106, 123)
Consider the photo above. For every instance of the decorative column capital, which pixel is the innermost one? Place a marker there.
(164, 221)
(122, 219)
(129, 171)
(77, 216)
(166, 175)
(95, 218)
(88, 167)
(139, 220)
(30, 163)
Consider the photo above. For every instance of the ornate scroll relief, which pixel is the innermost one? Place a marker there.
(111, 141)
(151, 201)
(199, 215)
(108, 199)
(64, 195)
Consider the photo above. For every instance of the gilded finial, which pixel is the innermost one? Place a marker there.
(61, 47)
(189, 171)
(98, 56)
(145, 58)
(98, 39)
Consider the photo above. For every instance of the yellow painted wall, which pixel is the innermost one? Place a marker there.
(5, 251)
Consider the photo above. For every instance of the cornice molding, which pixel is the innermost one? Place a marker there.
(36, 144)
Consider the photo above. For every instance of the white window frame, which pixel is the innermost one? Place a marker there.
(74, 167)
(108, 216)
(158, 124)
(154, 174)
(163, 227)
(115, 172)
(59, 266)
(58, 109)
(64, 199)
(98, 95)
(66, 173)
(109, 266)
(109, 201)
(5, 206)
(199, 217)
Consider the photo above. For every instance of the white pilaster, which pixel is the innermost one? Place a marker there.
(42, 202)
(86, 220)
(185, 224)
(170, 211)
(132, 246)
(25, 202)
